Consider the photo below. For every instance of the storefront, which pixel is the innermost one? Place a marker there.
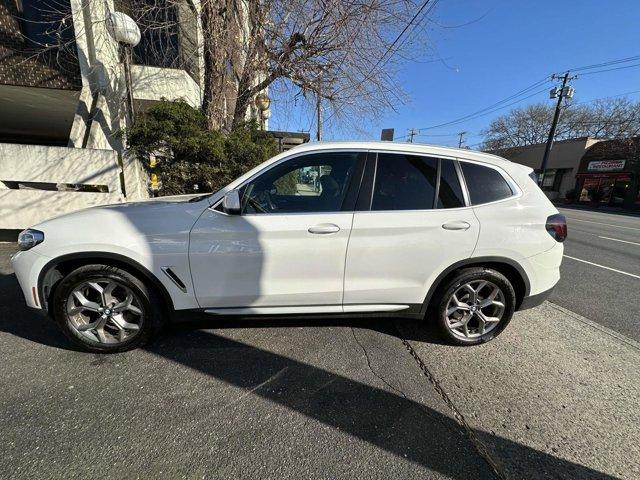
(608, 174)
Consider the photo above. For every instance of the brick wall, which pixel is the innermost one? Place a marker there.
(24, 64)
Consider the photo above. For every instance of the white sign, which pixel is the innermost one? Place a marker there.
(606, 165)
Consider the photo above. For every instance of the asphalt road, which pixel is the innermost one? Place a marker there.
(596, 290)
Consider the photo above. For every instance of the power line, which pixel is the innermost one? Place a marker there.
(393, 44)
(400, 35)
(487, 110)
(610, 69)
(494, 107)
(605, 64)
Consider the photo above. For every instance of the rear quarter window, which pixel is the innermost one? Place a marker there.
(485, 184)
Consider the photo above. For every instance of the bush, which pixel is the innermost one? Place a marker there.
(189, 154)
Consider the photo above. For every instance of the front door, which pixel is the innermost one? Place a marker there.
(415, 225)
(285, 253)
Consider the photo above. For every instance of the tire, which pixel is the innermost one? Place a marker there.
(105, 309)
(463, 323)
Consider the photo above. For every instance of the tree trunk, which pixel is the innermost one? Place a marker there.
(214, 30)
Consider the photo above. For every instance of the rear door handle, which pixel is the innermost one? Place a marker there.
(324, 228)
(457, 225)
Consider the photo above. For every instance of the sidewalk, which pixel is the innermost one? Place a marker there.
(602, 209)
(553, 381)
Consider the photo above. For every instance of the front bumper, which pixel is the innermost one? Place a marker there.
(27, 265)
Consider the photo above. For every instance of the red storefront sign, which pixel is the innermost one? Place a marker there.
(617, 176)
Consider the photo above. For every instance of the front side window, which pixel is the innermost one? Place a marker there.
(310, 183)
(485, 184)
(404, 182)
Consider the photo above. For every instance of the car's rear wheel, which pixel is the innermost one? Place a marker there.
(106, 309)
(474, 306)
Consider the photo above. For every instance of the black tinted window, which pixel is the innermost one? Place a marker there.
(404, 182)
(450, 193)
(484, 184)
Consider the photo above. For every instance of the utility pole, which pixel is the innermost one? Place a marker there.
(412, 132)
(461, 135)
(564, 91)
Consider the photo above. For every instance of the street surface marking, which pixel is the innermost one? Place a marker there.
(600, 223)
(602, 266)
(618, 240)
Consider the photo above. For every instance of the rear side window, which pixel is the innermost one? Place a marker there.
(450, 192)
(404, 182)
(484, 184)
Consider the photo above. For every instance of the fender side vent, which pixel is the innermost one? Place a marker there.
(174, 278)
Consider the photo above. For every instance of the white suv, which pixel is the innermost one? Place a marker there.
(457, 237)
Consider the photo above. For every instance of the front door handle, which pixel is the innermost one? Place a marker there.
(324, 228)
(457, 225)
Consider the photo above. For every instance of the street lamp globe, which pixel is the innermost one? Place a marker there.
(124, 29)
(262, 101)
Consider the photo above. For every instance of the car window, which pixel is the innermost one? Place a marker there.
(450, 191)
(404, 182)
(484, 184)
(309, 183)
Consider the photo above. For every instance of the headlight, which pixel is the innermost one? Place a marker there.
(29, 238)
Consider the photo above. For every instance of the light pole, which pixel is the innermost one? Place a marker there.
(126, 32)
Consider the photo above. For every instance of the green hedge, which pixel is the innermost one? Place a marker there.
(189, 154)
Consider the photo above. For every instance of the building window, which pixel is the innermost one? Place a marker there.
(45, 23)
(553, 179)
(159, 43)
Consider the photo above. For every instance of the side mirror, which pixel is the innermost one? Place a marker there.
(231, 203)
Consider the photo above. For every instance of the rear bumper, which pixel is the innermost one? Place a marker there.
(535, 300)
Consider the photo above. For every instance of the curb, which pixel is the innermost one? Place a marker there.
(612, 333)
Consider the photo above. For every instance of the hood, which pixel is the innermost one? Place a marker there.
(107, 224)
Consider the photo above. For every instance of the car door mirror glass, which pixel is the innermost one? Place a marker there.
(231, 203)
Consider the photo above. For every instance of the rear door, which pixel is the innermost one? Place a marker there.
(412, 222)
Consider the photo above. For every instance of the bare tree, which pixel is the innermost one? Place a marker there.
(347, 52)
(605, 118)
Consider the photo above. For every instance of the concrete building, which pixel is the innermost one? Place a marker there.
(562, 167)
(603, 172)
(63, 96)
(609, 174)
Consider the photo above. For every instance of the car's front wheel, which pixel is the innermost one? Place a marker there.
(474, 306)
(105, 309)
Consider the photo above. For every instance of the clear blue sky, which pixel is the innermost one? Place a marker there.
(513, 45)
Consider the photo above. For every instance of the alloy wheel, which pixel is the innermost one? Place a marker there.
(105, 311)
(475, 309)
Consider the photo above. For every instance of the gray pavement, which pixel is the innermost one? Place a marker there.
(555, 396)
(608, 297)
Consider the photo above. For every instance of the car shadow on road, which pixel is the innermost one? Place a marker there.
(389, 420)
(19, 320)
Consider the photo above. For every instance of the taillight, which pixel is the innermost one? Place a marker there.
(557, 227)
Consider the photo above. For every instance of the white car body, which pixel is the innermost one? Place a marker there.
(365, 261)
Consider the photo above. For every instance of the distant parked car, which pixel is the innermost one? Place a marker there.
(455, 237)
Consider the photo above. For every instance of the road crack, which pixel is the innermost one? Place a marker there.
(480, 447)
(376, 374)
